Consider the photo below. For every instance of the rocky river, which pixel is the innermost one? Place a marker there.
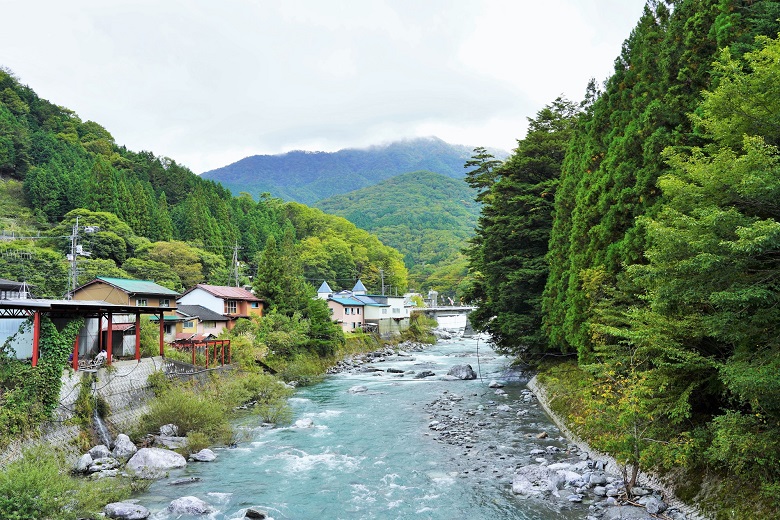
(441, 432)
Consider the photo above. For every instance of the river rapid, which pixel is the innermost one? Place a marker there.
(385, 453)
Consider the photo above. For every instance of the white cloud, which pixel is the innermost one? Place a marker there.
(208, 83)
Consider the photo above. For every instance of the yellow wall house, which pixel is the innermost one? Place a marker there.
(122, 291)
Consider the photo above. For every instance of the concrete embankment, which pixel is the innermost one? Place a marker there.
(645, 479)
(124, 387)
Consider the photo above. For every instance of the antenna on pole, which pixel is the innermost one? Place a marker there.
(76, 250)
(235, 267)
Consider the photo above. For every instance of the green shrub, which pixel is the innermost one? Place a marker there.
(196, 441)
(158, 382)
(36, 487)
(191, 411)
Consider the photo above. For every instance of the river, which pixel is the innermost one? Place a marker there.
(375, 455)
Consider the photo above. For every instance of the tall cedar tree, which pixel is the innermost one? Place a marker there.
(508, 252)
(614, 162)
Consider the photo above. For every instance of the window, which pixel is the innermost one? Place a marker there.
(189, 324)
(141, 302)
(165, 303)
(209, 324)
(358, 309)
(230, 307)
(255, 305)
(384, 311)
(396, 310)
(169, 329)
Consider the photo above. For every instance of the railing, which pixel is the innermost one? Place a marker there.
(215, 352)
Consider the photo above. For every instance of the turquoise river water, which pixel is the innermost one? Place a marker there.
(372, 455)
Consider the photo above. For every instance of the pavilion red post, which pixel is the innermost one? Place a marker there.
(36, 337)
(230, 353)
(162, 334)
(100, 332)
(76, 353)
(138, 336)
(223, 352)
(110, 339)
(193, 353)
(207, 354)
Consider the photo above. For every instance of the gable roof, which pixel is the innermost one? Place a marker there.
(201, 312)
(359, 287)
(324, 288)
(225, 292)
(133, 286)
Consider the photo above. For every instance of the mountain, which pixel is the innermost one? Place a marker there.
(427, 216)
(307, 177)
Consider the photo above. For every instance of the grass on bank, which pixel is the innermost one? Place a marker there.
(680, 458)
(38, 487)
(203, 412)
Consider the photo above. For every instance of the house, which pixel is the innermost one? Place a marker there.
(230, 302)
(384, 314)
(123, 291)
(141, 294)
(347, 311)
(200, 321)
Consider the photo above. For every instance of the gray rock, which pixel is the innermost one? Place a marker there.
(104, 474)
(655, 505)
(639, 491)
(100, 451)
(625, 513)
(84, 463)
(598, 479)
(256, 513)
(534, 480)
(358, 389)
(204, 455)
(102, 464)
(182, 481)
(126, 511)
(503, 408)
(495, 384)
(500, 392)
(169, 430)
(189, 506)
(462, 372)
(600, 491)
(172, 443)
(424, 374)
(124, 447)
(151, 463)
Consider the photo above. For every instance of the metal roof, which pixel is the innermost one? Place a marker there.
(22, 308)
(225, 292)
(359, 287)
(367, 300)
(324, 288)
(201, 312)
(134, 286)
(348, 301)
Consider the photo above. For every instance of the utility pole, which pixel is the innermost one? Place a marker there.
(234, 266)
(382, 274)
(76, 250)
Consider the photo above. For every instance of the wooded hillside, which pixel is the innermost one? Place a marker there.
(659, 271)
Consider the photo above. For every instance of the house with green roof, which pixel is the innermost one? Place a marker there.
(124, 291)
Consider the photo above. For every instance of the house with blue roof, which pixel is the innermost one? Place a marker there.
(385, 314)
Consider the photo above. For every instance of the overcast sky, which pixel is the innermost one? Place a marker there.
(208, 82)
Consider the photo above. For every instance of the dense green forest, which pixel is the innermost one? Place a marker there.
(308, 177)
(425, 216)
(656, 267)
(145, 216)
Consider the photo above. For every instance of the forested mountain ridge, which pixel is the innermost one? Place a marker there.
(656, 268)
(157, 220)
(426, 216)
(308, 177)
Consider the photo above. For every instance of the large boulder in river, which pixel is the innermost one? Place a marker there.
(462, 372)
(126, 511)
(204, 455)
(189, 506)
(151, 463)
(100, 451)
